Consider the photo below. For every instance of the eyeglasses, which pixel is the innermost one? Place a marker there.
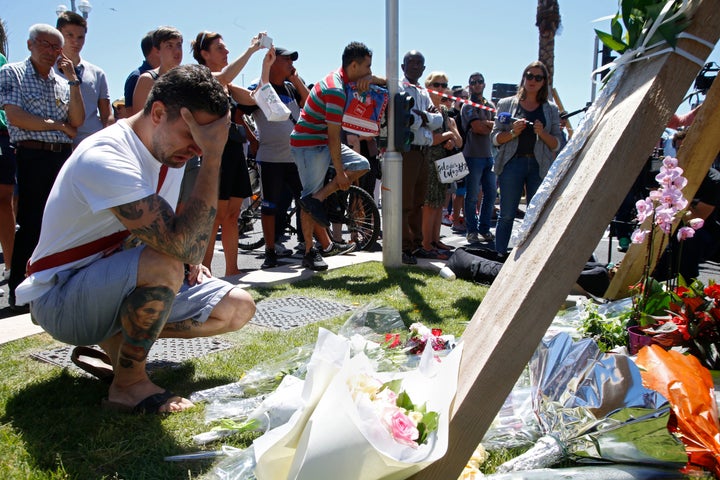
(537, 78)
(445, 99)
(48, 46)
(476, 82)
(439, 85)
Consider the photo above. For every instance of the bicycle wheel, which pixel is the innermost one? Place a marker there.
(249, 224)
(362, 217)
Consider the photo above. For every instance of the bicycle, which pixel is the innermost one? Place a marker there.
(354, 208)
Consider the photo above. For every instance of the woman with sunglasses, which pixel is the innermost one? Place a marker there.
(445, 140)
(527, 134)
(209, 49)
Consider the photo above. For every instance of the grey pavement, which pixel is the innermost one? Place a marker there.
(13, 326)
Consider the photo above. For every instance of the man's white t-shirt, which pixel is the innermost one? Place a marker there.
(110, 168)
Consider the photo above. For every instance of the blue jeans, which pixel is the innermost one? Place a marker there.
(481, 176)
(313, 164)
(519, 173)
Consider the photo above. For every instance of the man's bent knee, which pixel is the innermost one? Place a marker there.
(235, 310)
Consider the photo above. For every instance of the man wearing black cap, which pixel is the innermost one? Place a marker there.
(278, 172)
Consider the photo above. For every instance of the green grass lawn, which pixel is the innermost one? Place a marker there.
(52, 426)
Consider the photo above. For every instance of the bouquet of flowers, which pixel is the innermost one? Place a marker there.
(693, 321)
(409, 424)
(362, 422)
(420, 337)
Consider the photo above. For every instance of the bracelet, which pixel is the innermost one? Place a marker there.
(512, 134)
(73, 83)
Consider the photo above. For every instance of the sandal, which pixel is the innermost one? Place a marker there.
(150, 404)
(95, 362)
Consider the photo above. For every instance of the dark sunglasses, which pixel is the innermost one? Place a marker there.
(439, 85)
(537, 78)
(445, 99)
(476, 82)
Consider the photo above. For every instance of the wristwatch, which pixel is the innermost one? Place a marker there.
(72, 83)
(512, 133)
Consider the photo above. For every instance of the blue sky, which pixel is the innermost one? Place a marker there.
(495, 38)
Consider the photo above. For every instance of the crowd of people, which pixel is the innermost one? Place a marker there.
(118, 204)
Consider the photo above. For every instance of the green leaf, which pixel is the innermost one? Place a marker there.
(431, 420)
(393, 385)
(611, 42)
(403, 401)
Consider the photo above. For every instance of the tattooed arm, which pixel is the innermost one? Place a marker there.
(185, 235)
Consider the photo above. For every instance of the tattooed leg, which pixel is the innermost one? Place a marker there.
(230, 314)
(142, 316)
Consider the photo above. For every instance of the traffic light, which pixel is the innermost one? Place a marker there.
(403, 136)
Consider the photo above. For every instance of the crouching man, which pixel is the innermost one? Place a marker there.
(83, 288)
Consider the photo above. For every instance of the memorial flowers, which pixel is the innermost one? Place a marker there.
(663, 207)
(420, 336)
(407, 423)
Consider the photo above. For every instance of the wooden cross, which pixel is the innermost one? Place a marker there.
(517, 310)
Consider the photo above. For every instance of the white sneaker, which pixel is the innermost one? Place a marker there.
(5, 275)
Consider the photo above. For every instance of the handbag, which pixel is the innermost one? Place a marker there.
(269, 102)
(452, 168)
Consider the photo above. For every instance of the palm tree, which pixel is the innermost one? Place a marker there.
(548, 21)
(3, 38)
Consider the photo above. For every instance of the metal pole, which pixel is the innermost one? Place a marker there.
(392, 160)
(72, 6)
(595, 67)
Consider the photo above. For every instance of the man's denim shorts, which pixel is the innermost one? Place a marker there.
(82, 308)
(313, 163)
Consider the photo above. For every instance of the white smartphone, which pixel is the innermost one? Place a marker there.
(266, 42)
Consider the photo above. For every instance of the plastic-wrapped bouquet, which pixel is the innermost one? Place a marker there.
(408, 423)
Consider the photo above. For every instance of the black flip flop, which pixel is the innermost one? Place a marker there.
(94, 362)
(150, 404)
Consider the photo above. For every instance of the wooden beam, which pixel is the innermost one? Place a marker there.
(522, 301)
(696, 155)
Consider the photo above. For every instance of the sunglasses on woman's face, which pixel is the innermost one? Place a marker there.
(439, 85)
(537, 78)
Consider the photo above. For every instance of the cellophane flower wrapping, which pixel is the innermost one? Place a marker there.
(333, 433)
(688, 386)
(282, 394)
(593, 405)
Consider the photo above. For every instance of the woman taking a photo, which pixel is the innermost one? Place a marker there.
(209, 49)
(527, 143)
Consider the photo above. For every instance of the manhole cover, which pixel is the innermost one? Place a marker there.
(165, 352)
(291, 312)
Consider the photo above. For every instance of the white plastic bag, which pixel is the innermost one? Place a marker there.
(270, 103)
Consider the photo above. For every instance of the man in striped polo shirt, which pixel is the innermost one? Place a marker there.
(316, 143)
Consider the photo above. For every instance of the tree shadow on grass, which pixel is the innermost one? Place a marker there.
(62, 427)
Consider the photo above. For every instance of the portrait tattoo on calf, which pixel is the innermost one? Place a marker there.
(142, 316)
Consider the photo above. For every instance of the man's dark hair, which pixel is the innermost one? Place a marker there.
(70, 18)
(146, 44)
(189, 86)
(163, 34)
(355, 52)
